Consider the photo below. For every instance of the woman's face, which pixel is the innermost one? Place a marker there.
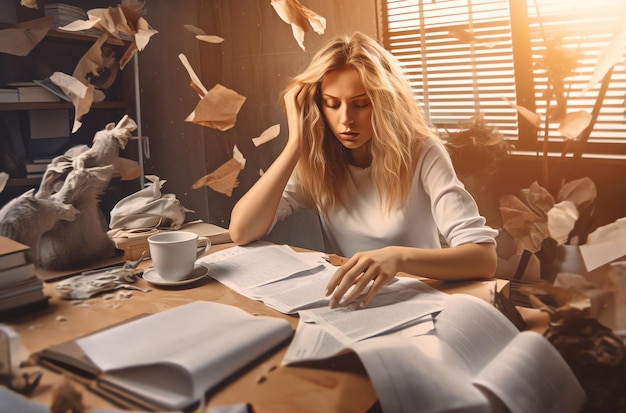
(348, 112)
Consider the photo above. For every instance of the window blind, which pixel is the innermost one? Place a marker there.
(465, 57)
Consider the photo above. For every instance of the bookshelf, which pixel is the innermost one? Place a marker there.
(60, 51)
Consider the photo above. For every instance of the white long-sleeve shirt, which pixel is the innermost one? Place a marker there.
(438, 203)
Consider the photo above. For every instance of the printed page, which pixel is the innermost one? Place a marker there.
(313, 342)
(527, 375)
(404, 300)
(400, 308)
(422, 374)
(295, 293)
(476, 329)
(522, 369)
(246, 267)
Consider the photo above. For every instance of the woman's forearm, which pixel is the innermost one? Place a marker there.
(254, 213)
(468, 261)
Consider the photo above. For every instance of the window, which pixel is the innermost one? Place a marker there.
(465, 57)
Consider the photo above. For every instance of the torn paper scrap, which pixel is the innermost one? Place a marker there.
(604, 245)
(196, 84)
(218, 108)
(224, 179)
(299, 17)
(201, 35)
(31, 4)
(267, 135)
(120, 22)
(80, 94)
(20, 39)
(91, 63)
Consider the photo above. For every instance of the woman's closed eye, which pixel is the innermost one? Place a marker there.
(357, 103)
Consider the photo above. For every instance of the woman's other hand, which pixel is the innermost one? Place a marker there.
(352, 279)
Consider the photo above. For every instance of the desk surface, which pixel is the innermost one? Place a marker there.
(339, 384)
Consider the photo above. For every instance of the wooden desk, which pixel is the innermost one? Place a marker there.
(336, 385)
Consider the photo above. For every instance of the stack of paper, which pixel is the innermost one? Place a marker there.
(63, 14)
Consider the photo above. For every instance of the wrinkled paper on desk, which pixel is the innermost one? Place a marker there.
(148, 208)
(87, 285)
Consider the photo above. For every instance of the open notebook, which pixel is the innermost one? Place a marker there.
(169, 360)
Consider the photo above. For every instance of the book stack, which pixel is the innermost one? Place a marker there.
(19, 285)
(32, 92)
(64, 14)
(36, 169)
(9, 96)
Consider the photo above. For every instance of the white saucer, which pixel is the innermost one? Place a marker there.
(151, 275)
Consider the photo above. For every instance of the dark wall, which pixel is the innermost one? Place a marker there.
(256, 60)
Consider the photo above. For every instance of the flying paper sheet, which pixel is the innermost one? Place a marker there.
(80, 94)
(267, 135)
(218, 108)
(299, 17)
(224, 178)
(20, 39)
(120, 22)
(201, 35)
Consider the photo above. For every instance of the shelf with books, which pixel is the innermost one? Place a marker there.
(61, 105)
(60, 51)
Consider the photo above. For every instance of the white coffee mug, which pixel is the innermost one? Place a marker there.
(174, 253)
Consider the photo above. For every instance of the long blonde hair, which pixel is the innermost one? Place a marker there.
(397, 119)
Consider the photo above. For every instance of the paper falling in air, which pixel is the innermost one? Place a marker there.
(532, 117)
(573, 124)
(267, 135)
(218, 108)
(299, 17)
(224, 179)
(31, 4)
(201, 35)
(20, 39)
(80, 94)
(611, 55)
(196, 84)
(121, 23)
(127, 169)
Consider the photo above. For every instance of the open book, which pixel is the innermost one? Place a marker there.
(474, 360)
(169, 360)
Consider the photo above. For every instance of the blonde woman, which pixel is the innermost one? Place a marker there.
(361, 152)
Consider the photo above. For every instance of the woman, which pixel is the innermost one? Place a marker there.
(361, 153)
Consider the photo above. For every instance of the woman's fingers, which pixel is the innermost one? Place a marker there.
(349, 281)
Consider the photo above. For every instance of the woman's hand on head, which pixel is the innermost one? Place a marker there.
(294, 99)
(350, 282)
